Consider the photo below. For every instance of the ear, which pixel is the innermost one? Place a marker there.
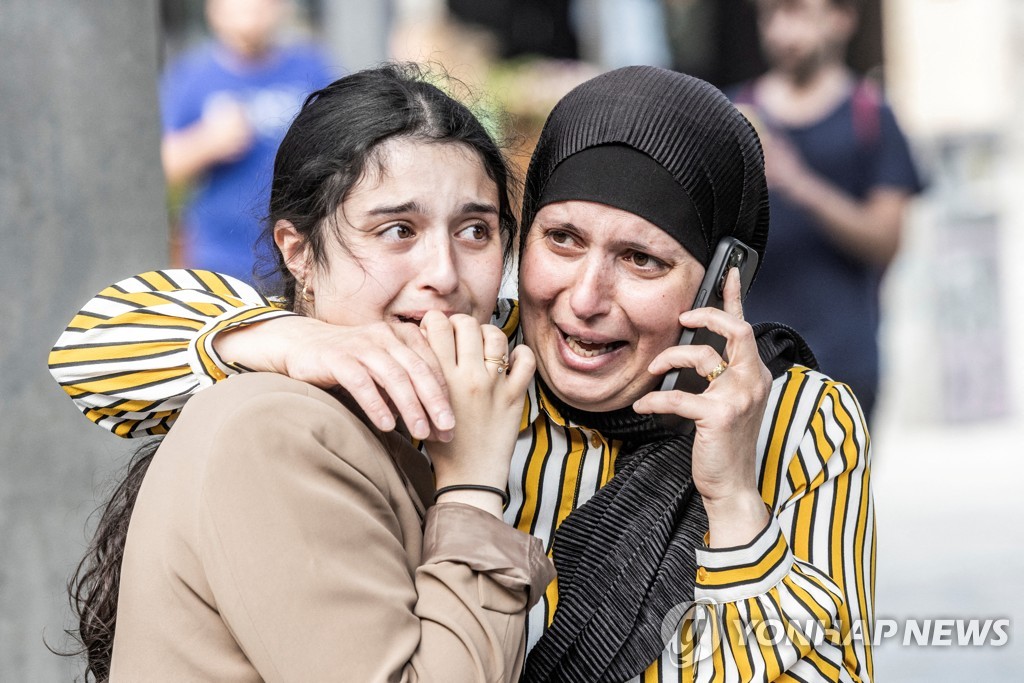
(293, 248)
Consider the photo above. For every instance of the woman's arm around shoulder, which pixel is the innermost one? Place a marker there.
(137, 351)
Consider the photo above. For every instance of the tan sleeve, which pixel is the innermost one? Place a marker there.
(305, 554)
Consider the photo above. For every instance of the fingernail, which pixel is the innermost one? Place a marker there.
(422, 429)
(446, 420)
(387, 422)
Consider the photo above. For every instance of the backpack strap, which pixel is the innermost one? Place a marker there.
(745, 95)
(866, 101)
(867, 112)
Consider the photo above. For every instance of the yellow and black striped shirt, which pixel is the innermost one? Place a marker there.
(795, 604)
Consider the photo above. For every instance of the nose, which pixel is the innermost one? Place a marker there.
(438, 269)
(593, 289)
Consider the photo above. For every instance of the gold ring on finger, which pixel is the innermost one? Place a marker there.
(719, 369)
(502, 363)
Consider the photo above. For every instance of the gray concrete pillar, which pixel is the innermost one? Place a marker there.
(81, 205)
(357, 31)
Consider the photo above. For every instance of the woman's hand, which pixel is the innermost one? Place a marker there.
(380, 365)
(727, 415)
(487, 395)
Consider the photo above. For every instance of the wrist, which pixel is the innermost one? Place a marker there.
(489, 501)
(261, 347)
(735, 519)
(803, 189)
(482, 488)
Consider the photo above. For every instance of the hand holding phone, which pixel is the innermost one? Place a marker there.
(730, 253)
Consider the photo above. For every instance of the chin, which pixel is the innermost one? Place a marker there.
(588, 393)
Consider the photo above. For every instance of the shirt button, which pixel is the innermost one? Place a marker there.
(702, 574)
(595, 439)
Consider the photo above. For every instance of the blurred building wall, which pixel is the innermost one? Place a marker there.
(81, 204)
(356, 31)
(954, 309)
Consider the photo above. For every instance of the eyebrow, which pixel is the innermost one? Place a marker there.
(478, 207)
(635, 246)
(408, 207)
(416, 207)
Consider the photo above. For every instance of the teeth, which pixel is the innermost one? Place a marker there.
(577, 345)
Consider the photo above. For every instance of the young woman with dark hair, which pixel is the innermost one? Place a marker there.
(277, 533)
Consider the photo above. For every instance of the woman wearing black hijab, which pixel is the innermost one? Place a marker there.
(763, 517)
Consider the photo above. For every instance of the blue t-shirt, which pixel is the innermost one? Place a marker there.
(806, 280)
(223, 218)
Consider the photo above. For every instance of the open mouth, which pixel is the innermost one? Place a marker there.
(409, 319)
(588, 348)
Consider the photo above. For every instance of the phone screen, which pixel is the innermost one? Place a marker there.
(730, 253)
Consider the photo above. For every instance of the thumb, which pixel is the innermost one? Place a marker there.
(522, 365)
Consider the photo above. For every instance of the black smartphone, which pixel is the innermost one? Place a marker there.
(730, 253)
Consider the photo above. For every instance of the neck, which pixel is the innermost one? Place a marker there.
(818, 77)
(623, 424)
(798, 100)
(239, 57)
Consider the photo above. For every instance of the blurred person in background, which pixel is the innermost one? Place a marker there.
(840, 175)
(225, 108)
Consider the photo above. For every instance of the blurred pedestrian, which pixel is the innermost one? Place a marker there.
(225, 107)
(840, 175)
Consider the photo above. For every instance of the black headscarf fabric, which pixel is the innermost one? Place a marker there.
(686, 126)
(672, 149)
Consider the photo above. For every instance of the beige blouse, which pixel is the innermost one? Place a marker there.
(277, 537)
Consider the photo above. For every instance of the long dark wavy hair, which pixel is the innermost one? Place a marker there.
(325, 152)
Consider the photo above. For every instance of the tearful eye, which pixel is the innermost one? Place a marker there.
(560, 237)
(398, 232)
(646, 263)
(478, 232)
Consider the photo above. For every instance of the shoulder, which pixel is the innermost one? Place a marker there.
(807, 408)
(304, 56)
(506, 316)
(251, 393)
(282, 423)
(303, 51)
(185, 83)
(741, 93)
(813, 429)
(192, 63)
(802, 395)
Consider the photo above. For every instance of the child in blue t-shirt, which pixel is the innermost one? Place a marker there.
(225, 107)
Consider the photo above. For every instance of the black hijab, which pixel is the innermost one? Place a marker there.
(666, 146)
(672, 149)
